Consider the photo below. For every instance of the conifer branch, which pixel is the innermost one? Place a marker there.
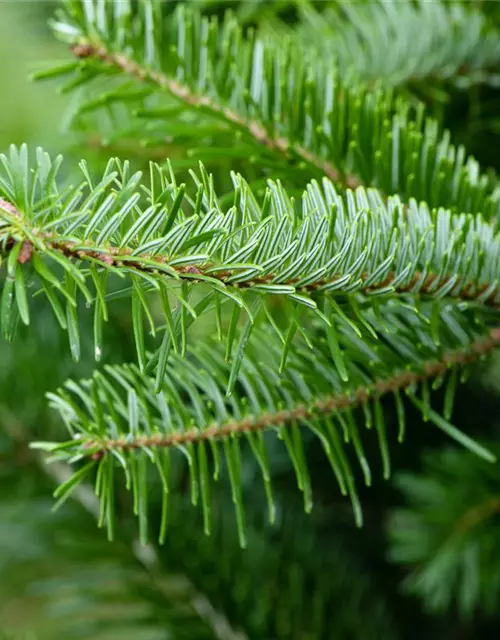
(327, 300)
(121, 417)
(301, 119)
(477, 514)
(323, 407)
(151, 264)
(449, 518)
(355, 33)
(331, 248)
(253, 128)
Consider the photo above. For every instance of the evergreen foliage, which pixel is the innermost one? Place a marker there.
(293, 118)
(435, 42)
(448, 531)
(270, 258)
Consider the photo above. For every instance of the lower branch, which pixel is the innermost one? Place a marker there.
(321, 407)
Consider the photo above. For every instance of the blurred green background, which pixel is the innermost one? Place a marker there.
(29, 112)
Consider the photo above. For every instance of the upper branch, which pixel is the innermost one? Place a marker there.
(253, 128)
(297, 116)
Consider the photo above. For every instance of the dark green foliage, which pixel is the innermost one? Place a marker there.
(279, 587)
(448, 532)
(274, 589)
(86, 589)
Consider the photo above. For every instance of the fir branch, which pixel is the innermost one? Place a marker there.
(300, 119)
(424, 283)
(376, 298)
(449, 520)
(329, 248)
(253, 128)
(477, 514)
(326, 406)
(120, 418)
